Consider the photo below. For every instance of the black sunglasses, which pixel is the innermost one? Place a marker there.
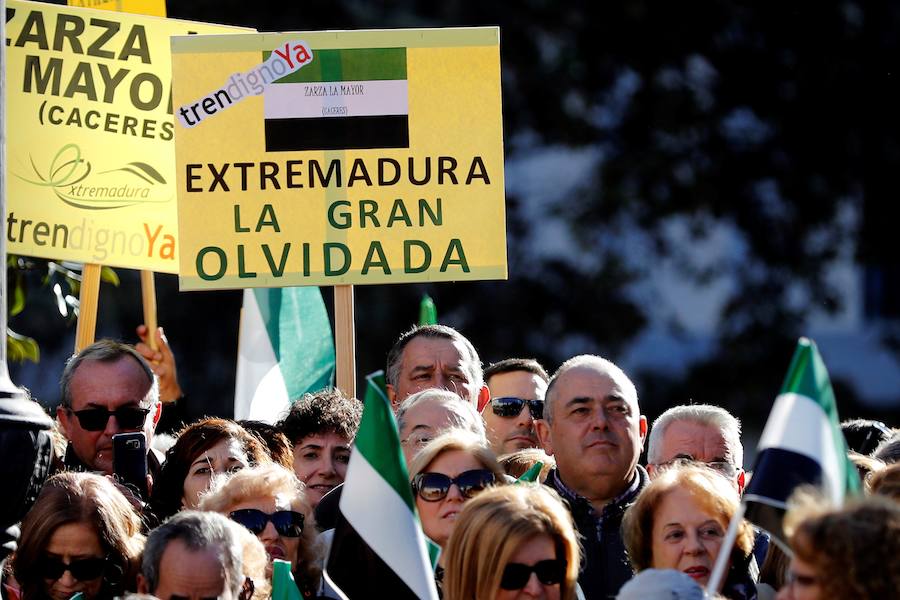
(82, 569)
(510, 406)
(95, 419)
(433, 487)
(549, 572)
(288, 523)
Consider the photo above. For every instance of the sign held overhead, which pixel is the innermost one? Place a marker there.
(333, 158)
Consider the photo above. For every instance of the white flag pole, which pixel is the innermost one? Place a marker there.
(718, 574)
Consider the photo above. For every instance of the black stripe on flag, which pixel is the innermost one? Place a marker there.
(337, 133)
(357, 570)
(776, 474)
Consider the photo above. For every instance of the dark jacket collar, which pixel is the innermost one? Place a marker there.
(639, 481)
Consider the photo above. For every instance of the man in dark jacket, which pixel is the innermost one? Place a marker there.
(593, 427)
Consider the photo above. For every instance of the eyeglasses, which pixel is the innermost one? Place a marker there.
(510, 406)
(723, 467)
(288, 523)
(433, 487)
(82, 569)
(419, 438)
(95, 419)
(549, 572)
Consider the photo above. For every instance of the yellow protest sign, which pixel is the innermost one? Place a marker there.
(91, 165)
(155, 8)
(331, 158)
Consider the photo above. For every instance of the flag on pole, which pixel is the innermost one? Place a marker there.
(801, 444)
(285, 349)
(378, 549)
(427, 311)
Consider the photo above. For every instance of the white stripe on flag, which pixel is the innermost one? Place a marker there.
(385, 522)
(799, 424)
(345, 99)
(259, 390)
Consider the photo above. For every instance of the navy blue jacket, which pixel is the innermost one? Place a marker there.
(605, 567)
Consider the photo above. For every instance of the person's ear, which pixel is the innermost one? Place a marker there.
(741, 481)
(157, 414)
(392, 396)
(62, 416)
(643, 428)
(484, 396)
(542, 428)
(142, 584)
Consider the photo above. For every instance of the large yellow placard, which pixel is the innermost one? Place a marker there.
(331, 158)
(91, 161)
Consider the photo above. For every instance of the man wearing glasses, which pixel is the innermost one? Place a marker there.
(708, 435)
(517, 387)
(699, 433)
(107, 388)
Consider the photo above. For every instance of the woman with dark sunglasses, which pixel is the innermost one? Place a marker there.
(271, 502)
(454, 467)
(81, 535)
(516, 541)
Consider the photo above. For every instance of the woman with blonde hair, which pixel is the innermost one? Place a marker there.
(270, 502)
(445, 474)
(81, 535)
(511, 541)
(679, 522)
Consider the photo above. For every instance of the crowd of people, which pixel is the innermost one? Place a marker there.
(226, 501)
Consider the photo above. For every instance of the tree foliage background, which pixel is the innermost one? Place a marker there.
(774, 122)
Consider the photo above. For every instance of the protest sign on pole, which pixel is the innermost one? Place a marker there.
(155, 8)
(91, 165)
(339, 158)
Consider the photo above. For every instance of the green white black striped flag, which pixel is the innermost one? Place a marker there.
(343, 99)
(378, 549)
(285, 349)
(801, 444)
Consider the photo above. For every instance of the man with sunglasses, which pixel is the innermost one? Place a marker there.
(107, 388)
(517, 387)
(592, 425)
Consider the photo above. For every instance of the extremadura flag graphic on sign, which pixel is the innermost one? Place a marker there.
(325, 158)
(344, 99)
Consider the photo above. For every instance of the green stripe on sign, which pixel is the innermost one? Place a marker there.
(365, 64)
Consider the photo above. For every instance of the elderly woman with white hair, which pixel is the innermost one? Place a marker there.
(271, 502)
(426, 414)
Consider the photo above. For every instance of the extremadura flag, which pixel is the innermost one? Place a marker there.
(343, 99)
